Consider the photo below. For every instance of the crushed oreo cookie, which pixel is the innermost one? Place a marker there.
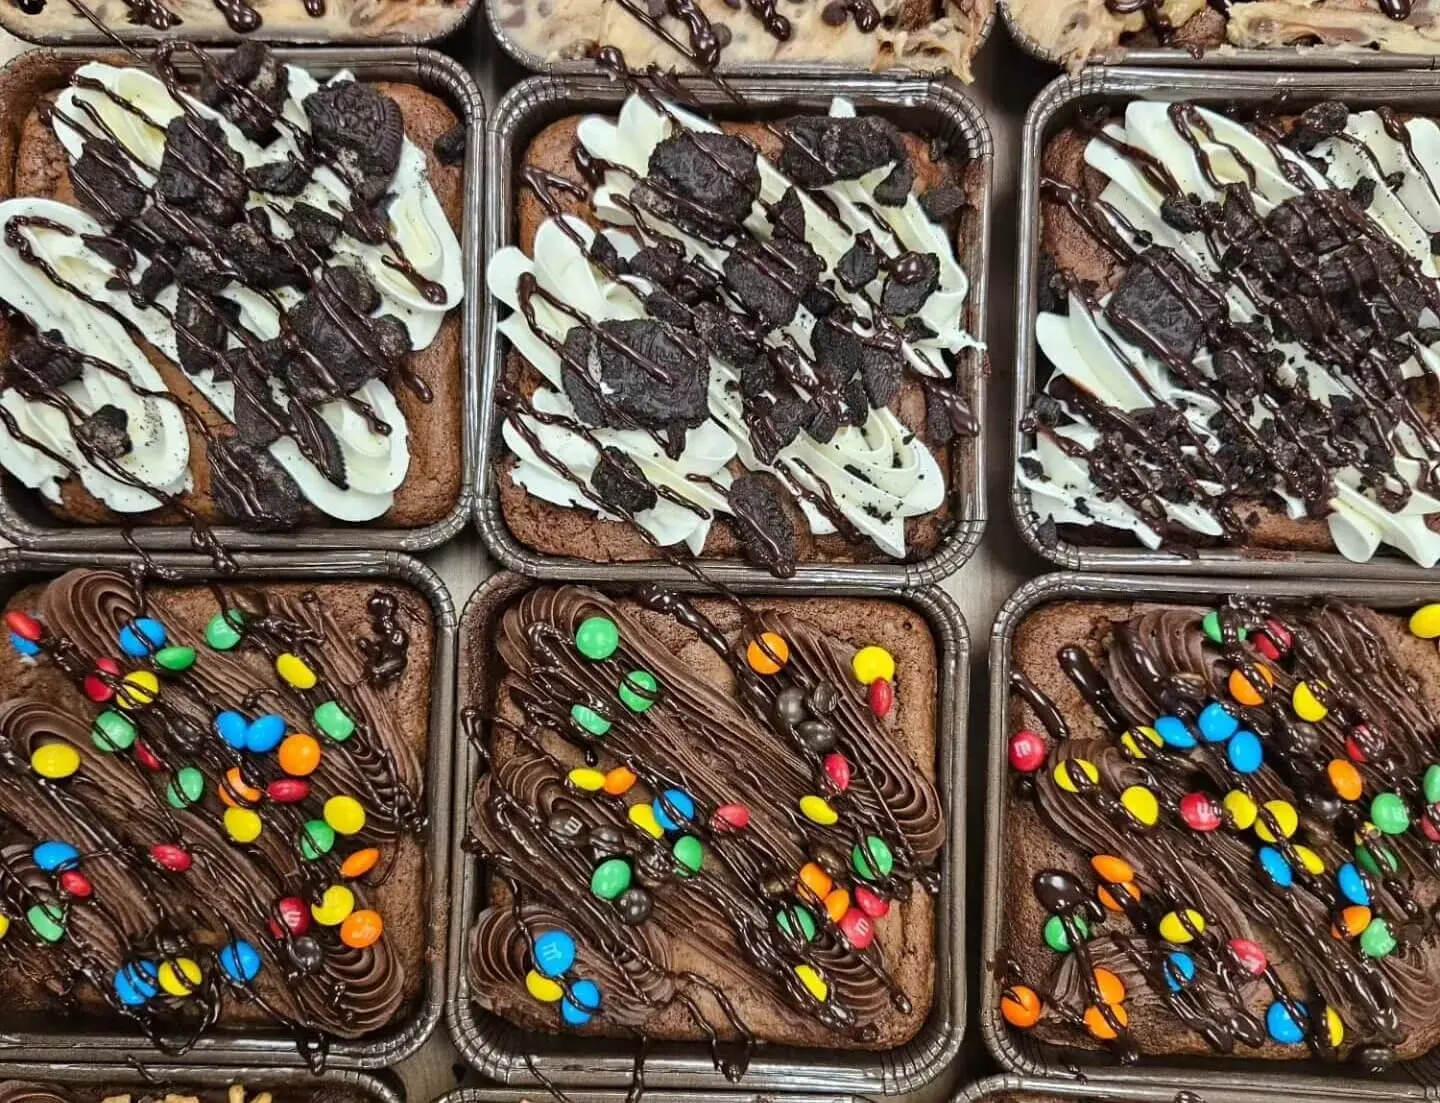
(653, 375)
(202, 328)
(701, 181)
(251, 488)
(620, 483)
(105, 183)
(35, 369)
(266, 82)
(788, 215)
(359, 129)
(860, 264)
(766, 530)
(819, 150)
(450, 146)
(106, 432)
(771, 279)
(942, 203)
(909, 282)
(200, 173)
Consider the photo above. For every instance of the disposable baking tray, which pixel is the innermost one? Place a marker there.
(503, 1052)
(186, 1079)
(1231, 57)
(53, 1041)
(25, 521)
(1025, 1055)
(653, 1095)
(929, 106)
(283, 22)
(1027, 1089)
(1057, 106)
(793, 67)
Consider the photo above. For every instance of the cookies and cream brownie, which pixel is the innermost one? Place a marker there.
(919, 35)
(1239, 331)
(701, 818)
(733, 339)
(1074, 31)
(230, 301)
(1222, 829)
(212, 806)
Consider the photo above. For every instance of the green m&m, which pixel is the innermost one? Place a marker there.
(1389, 814)
(333, 721)
(872, 860)
(1210, 625)
(185, 788)
(1377, 860)
(611, 878)
(597, 638)
(796, 921)
(317, 838)
(175, 659)
(590, 720)
(690, 854)
(223, 631)
(1432, 785)
(47, 921)
(112, 732)
(1377, 940)
(1058, 938)
(639, 690)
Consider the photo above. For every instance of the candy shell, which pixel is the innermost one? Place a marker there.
(1334, 1028)
(873, 905)
(767, 654)
(295, 671)
(1240, 809)
(185, 788)
(74, 883)
(1310, 862)
(858, 928)
(171, 858)
(53, 856)
(586, 779)
(543, 988)
(1275, 867)
(99, 686)
(1115, 871)
(1425, 622)
(47, 921)
(676, 803)
(336, 902)
(1137, 743)
(610, 878)
(1110, 987)
(345, 814)
(730, 817)
(1345, 779)
(1431, 784)
(1306, 704)
(689, 855)
(837, 769)
(837, 904)
(1285, 1025)
(1351, 883)
(359, 863)
(1181, 927)
(554, 952)
(222, 632)
(243, 824)
(817, 810)
(1244, 690)
(141, 637)
(816, 881)
(1351, 922)
(291, 915)
(1057, 935)
(24, 625)
(1065, 773)
(137, 689)
(179, 977)
(1275, 641)
(300, 754)
(643, 817)
(1211, 625)
(597, 638)
(1389, 813)
(175, 660)
(112, 732)
(146, 757)
(317, 838)
(1101, 1022)
(1200, 811)
(1028, 750)
(1175, 732)
(639, 690)
(26, 648)
(881, 696)
(361, 928)
(264, 733)
(587, 719)
(796, 921)
(288, 790)
(580, 1003)
(1179, 969)
(873, 662)
(240, 962)
(1244, 752)
(618, 781)
(1378, 940)
(234, 790)
(1217, 723)
(814, 983)
(1142, 805)
(1111, 901)
(136, 983)
(1021, 1007)
(872, 860)
(1276, 816)
(333, 721)
(55, 761)
(1249, 956)
(231, 727)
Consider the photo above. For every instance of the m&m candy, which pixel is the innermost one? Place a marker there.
(643, 817)
(361, 928)
(1285, 1024)
(542, 987)
(55, 761)
(1217, 723)
(818, 810)
(239, 961)
(136, 983)
(180, 976)
(580, 1003)
(359, 863)
(881, 696)
(1028, 750)
(873, 662)
(767, 654)
(554, 952)
(345, 814)
(639, 691)
(299, 754)
(1020, 1006)
(837, 770)
(1200, 811)
(813, 982)
(1307, 704)
(223, 631)
(597, 638)
(295, 671)
(137, 689)
(333, 721)
(142, 637)
(1248, 955)
(1425, 622)
(53, 855)
(336, 902)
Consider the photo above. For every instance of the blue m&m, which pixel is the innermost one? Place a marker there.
(1352, 885)
(580, 1003)
(265, 733)
(142, 637)
(675, 801)
(240, 962)
(1175, 732)
(136, 983)
(51, 856)
(1244, 752)
(1217, 723)
(1179, 970)
(554, 953)
(1285, 1025)
(27, 648)
(231, 727)
(1276, 867)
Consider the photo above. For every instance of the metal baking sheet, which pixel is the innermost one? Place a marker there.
(1027, 1089)
(1058, 105)
(929, 105)
(192, 1078)
(1231, 57)
(585, 66)
(26, 522)
(503, 1052)
(251, 1044)
(1210, 1075)
(284, 22)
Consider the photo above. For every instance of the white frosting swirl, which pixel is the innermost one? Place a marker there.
(375, 463)
(1085, 348)
(877, 474)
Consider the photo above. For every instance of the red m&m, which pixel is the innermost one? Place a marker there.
(1027, 751)
(881, 696)
(1200, 811)
(292, 912)
(96, 686)
(1249, 955)
(173, 858)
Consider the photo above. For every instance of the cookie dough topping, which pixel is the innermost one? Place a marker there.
(1268, 342)
(737, 313)
(276, 239)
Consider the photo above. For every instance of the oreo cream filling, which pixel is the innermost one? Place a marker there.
(1270, 342)
(190, 255)
(735, 309)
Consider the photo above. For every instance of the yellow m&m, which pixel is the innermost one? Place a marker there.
(1142, 805)
(542, 988)
(814, 983)
(1065, 778)
(180, 976)
(243, 824)
(584, 778)
(818, 810)
(643, 817)
(336, 903)
(1182, 927)
(137, 689)
(1277, 816)
(873, 662)
(55, 760)
(295, 671)
(345, 814)
(1306, 704)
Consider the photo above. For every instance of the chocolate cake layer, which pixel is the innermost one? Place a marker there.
(213, 818)
(743, 807)
(1221, 827)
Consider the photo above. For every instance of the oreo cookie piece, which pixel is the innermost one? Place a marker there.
(250, 90)
(860, 264)
(261, 264)
(788, 215)
(35, 370)
(726, 334)
(158, 275)
(654, 374)
(909, 283)
(774, 423)
(351, 286)
(106, 432)
(757, 377)
(607, 257)
(819, 150)
(317, 229)
(287, 177)
(838, 350)
(856, 402)
(771, 280)
(941, 204)
(389, 333)
(200, 173)
(621, 484)
(251, 488)
(202, 329)
(823, 416)
(333, 352)
(706, 181)
(258, 417)
(356, 127)
(260, 360)
(895, 188)
(1158, 297)
(659, 263)
(762, 522)
(450, 147)
(200, 269)
(104, 182)
(1324, 120)
(881, 371)
(318, 443)
(368, 224)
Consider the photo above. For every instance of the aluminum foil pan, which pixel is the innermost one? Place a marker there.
(1025, 1089)
(25, 521)
(929, 106)
(51, 1041)
(188, 1079)
(1209, 1077)
(518, 1058)
(1056, 107)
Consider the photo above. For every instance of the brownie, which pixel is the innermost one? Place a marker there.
(1076, 31)
(690, 745)
(913, 34)
(23, 1091)
(1144, 462)
(948, 188)
(151, 856)
(426, 383)
(1260, 817)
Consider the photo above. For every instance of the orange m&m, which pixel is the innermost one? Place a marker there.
(1021, 1006)
(299, 754)
(359, 863)
(767, 654)
(361, 928)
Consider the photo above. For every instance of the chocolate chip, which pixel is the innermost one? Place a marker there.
(35, 370)
(909, 282)
(450, 146)
(202, 329)
(287, 177)
(860, 263)
(620, 483)
(104, 182)
(1324, 120)
(940, 204)
(788, 215)
(105, 432)
(838, 350)
(358, 128)
(251, 488)
(653, 374)
(881, 370)
(1182, 212)
(200, 173)
(835, 13)
(764, 526)
(771, 281)
(701, 180)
